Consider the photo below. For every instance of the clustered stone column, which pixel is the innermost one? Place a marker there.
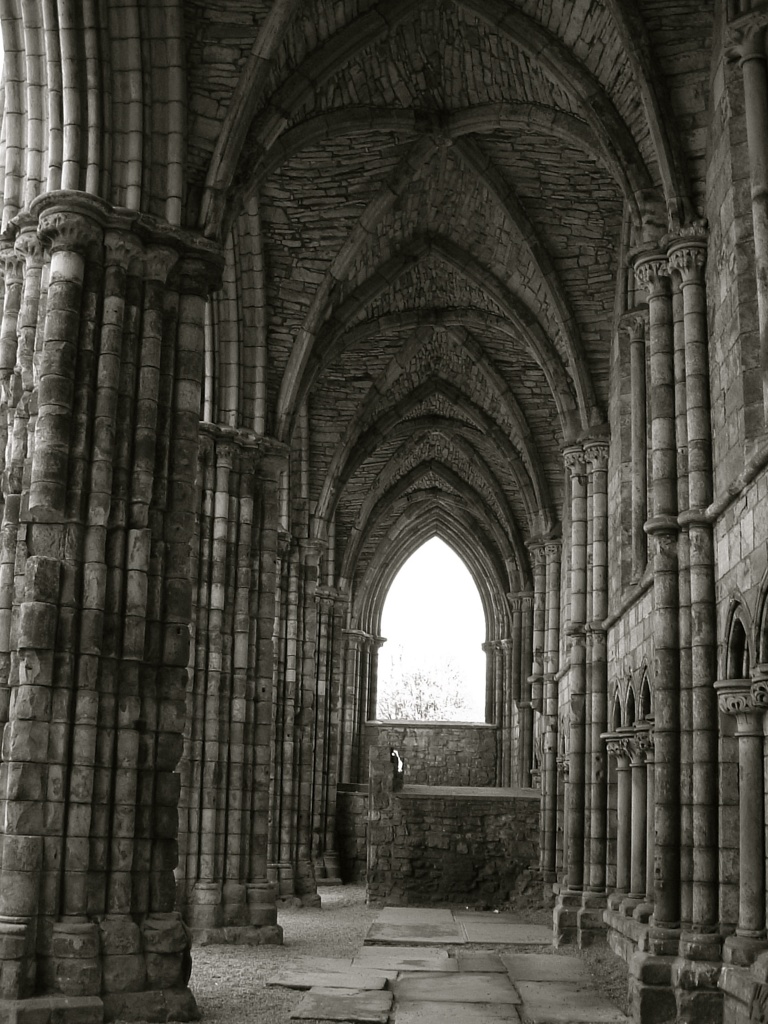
(222, 877)
(101, 350)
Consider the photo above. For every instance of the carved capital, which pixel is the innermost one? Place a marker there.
(158, 261)
(734, 696)
(574, 460)
(688, 259)
(121, 247)
(759, 693)
(68, 231)
(29, 246)
(652, 274)
(746, 39)
(13, 266)
(193, 275)
(617, 745)
(225, 455)
(634, 326)
(596, 456)
(552, 550)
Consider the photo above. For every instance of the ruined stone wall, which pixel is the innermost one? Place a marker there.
(351, 830)
(439, 844)
(439, 753)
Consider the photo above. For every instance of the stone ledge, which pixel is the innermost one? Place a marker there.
(238, 935)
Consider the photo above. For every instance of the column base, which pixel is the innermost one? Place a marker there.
(565, 918)
(155, 1006)
(591, 922)
(745, 990)
(699, 1000)
(742, 950)
(239, 935)
(651, 996)
(306, 885)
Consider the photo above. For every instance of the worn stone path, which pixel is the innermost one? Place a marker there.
(410, 978)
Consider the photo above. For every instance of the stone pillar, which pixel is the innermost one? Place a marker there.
(750, 50)
(617, 746)
(570, 900)
(746, 702)
(644, 741)
(653, 274)
(639, 840)
(687, 258)
(635, 327)
(352, 668)
(504, 775)
(551, 665)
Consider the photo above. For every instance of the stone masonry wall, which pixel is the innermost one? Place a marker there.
(351, 828)
(439, 753)
(438, 844)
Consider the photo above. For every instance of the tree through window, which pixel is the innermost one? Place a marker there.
(432, 666)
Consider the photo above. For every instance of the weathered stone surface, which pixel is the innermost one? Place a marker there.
(342, 1004)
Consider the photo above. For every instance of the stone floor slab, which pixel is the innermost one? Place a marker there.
(396, 962)
(543, 967)
(502, 929)
(455, 1013)
(453, 988)
(369, 981)
(418, 952)
(320, 963)
(416, 926)
(548, 1002)
(340, 1004)
(485, 963)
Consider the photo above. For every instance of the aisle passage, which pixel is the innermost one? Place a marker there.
(418, 966)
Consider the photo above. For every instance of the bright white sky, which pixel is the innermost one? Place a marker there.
(433, 611)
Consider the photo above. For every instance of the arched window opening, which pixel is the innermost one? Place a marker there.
(630, 719)
(738, 651)
(646, 709)
(616, 717)
(432, 666)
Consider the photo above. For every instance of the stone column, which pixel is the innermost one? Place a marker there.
(570, 900)
(747, 702)
(635, 326)
(617, 746)
(639, 840)
(644, 740)
(687, 258)
(551, 665)
(354, 645)
(750, 50)
(653, 274)
(507, 705)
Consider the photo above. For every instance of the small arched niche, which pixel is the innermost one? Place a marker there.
(432, 666)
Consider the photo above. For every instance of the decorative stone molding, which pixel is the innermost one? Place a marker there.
(652, 274)
(573, 458)
(634, 325)
(596, 456)
(121, 248)
(688, 258)
(734, 697)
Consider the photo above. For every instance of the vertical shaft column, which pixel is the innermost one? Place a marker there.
(639, 841)
(636, 329)
(596, 454)
(653, 275)
(750, 51)
(746, 701)
(617, 746)
(574, 460)
(550, 778)
(687, 258)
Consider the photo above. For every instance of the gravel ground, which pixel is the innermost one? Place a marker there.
(229, 982)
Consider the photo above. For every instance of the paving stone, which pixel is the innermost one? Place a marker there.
(419, 1012)
(492, 928)
(321, 963)
(414, 952)
(414, 926)
(543, 967)
(395, 961)
(485, 963)
(339, 1004)
(361, 980)
(466, 988)
(548, 1002)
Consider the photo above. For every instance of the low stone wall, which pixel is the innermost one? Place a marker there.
(438, 844)
(351, 828)
(439, 753)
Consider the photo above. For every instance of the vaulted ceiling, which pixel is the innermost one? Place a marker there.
(445, 192)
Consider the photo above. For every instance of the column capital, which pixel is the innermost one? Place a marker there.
(596, 455)
(70, 221)
(652, 273)
(552, 549)
(634, 324)
(573, 457)
(734, 697)
(122, 248)
(746, 38)
(13, 265)
(688, 257)
(158, 262)
(195, 275)
(617, 745)
(28, 242)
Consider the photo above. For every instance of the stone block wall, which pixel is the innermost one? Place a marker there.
(351, 829)
(439, 753)
(445, 844)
